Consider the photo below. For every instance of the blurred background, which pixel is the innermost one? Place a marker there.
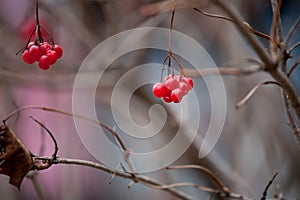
(256, 140)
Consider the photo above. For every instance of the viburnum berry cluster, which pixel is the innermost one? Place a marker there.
(174, 88)
(43, 53)
(40, 50)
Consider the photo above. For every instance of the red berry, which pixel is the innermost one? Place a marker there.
(184, 87)
(189, 81)
(26, 57)
(58, 50)
(52, 56)
(44, 62)
(35, 53)
(45, 46)
(172, 83)
(177, 95)
(160, 90)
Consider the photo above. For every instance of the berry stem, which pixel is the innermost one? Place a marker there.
(171, 28)
(49, 34)
(38, 26)
(28, 41)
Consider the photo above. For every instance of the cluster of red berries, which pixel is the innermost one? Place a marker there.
(43, 53)
(173, 89)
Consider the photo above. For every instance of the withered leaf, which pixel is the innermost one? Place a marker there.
(15, 159)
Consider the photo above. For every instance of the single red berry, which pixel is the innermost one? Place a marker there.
(160, 90)
(184, 87)
(44, 62)
(35, 53)
(189, 81)
(58, 50)
(52, 56)
(45, 46)
(177, 95)
(172, 83)
(26, 57)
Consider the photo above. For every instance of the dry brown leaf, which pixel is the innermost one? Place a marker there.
(15, 159)
(165, 6)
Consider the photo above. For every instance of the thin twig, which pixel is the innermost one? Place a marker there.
(247, 25)
(68, 114)
(183, 184)
(268, 186)
(294, 67)
(252, 91)
(259, 49)
(270, 65)
(235, 71)
(276, 6)
(51, 135)
(293, 47)
(292, 31)
(139, 178)
(207, 171)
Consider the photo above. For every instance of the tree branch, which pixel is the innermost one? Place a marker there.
(142, 179)
(270, 65)
(251, 93)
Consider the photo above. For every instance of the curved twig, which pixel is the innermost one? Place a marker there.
(51, 135)
(207, 171)
(293, 67)
(297, 44)
(268, 186)
(102, 124)
(247, 25)
(251, 93)
(292, 31)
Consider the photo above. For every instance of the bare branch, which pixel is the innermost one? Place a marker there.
(268, 186)
(247, 25)
(270, 64)
(102, 124)
(51, 135)
(251, 93)
(142, 179)
(175, 185)
(292, 31)
(252, 67)
(294, 47)
(294, 67)
(207, 171)
(236, 19)
(276, 27)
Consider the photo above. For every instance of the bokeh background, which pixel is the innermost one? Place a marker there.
(256, 140)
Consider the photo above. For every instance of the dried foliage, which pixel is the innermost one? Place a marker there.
(15, 159)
